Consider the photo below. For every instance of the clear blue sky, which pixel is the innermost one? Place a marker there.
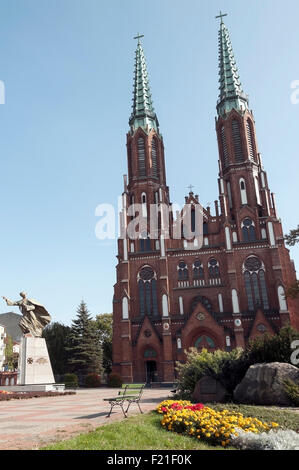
(67, 66)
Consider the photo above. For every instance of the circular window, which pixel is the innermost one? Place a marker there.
(253, 264)
(247, 223)
(197, 264)
(147, 274)
(213, 262)
(262, 328)
(182, 265)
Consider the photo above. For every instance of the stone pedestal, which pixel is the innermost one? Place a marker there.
(34, 363)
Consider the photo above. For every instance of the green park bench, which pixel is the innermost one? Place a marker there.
(129, 393)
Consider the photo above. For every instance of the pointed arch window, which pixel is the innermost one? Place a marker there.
(147, 284)
(214, 268)
(130, 168)
(239, 156)
(141, 157)
(243, 191)
(205, 342)
(248, 231)
(224, 147)
(145, 242)
(182, 271)
(255, 283)
(154, 158)
(198, 272)
(250, 139)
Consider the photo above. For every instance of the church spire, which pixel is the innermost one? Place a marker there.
(231, 94)
(143, 114)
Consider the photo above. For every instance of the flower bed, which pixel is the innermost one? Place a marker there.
(215, 427)
(6, 395)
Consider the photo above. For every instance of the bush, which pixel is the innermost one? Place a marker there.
(229, 368)
(224, 366)
(115, 380)
(71, 381)
(271, 348)
(292, 391)
(92, 381)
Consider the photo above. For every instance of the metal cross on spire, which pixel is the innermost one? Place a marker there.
(222, 15)
(190, 188)
(139, 36)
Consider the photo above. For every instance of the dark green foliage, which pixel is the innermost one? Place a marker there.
(71, 381)
(11, 359)
(293, 237)
(292, 391)
(57, 337)
(85, 347)
(92, 381)
(104, 327)
(275, 348)
(229, 368)
(115, 380)
(221, 365)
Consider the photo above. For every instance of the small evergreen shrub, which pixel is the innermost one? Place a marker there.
(115, 380)
(92, 381)
(292, 391)
(71, 381)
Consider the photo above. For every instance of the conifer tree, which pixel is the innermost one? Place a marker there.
(85, 348)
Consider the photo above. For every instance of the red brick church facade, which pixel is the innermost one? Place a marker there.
(170, 294)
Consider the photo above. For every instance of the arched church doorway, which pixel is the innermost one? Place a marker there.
(151, 371)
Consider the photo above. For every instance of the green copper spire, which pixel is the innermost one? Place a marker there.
(231, 92)
(143, 114)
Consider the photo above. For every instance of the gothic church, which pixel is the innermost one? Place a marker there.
(169, 297)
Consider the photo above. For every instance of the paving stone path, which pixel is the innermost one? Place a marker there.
(36, 422)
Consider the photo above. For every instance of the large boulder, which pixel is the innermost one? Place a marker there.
(262, 384)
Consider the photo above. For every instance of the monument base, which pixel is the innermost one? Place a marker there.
(34, 363)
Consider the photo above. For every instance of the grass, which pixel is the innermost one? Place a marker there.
(141, 432)
(144, 432)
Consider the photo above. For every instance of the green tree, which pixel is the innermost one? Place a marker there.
(57, 337)
(291, 240)
(104, 328)
(85, 348)
(10, 359)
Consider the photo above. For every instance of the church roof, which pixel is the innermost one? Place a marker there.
(231, 94)
(143, 114)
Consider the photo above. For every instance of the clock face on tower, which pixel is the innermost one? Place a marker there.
(166, 326)
(238, 322)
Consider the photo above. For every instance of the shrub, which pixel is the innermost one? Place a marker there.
(271, 348)
(225, 366)
(229, 368)
(92, 381)
(71, 381)
(292, 391)
(115, 380)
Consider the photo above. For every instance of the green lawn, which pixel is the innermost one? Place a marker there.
(141, 432)
(144, 432)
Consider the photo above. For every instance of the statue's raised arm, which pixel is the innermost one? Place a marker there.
(35, 316)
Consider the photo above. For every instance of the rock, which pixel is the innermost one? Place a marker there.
(208, 389)
(262, 384)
